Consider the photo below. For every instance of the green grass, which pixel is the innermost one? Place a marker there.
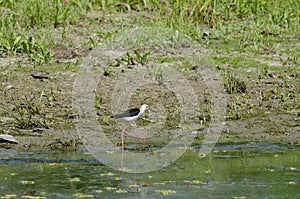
(23, 23)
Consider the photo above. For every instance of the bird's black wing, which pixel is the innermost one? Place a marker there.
(128, 113)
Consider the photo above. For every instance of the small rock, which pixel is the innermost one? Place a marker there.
(9, 87)
(39, 74)
(7, 138)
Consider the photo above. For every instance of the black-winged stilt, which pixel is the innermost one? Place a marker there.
(131, 115)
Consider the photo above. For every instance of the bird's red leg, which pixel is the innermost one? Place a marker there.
(123, 130)
(122, 137)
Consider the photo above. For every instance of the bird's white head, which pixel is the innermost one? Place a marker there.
(144, 107)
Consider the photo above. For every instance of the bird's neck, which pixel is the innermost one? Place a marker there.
(141, 112)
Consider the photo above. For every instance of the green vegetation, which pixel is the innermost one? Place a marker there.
(35, 27)
(26, 26)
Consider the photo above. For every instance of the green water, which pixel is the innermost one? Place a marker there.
(229, 171)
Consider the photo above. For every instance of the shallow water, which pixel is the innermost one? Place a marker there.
(263, 170)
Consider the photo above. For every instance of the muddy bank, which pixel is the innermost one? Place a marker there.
(38, 111)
